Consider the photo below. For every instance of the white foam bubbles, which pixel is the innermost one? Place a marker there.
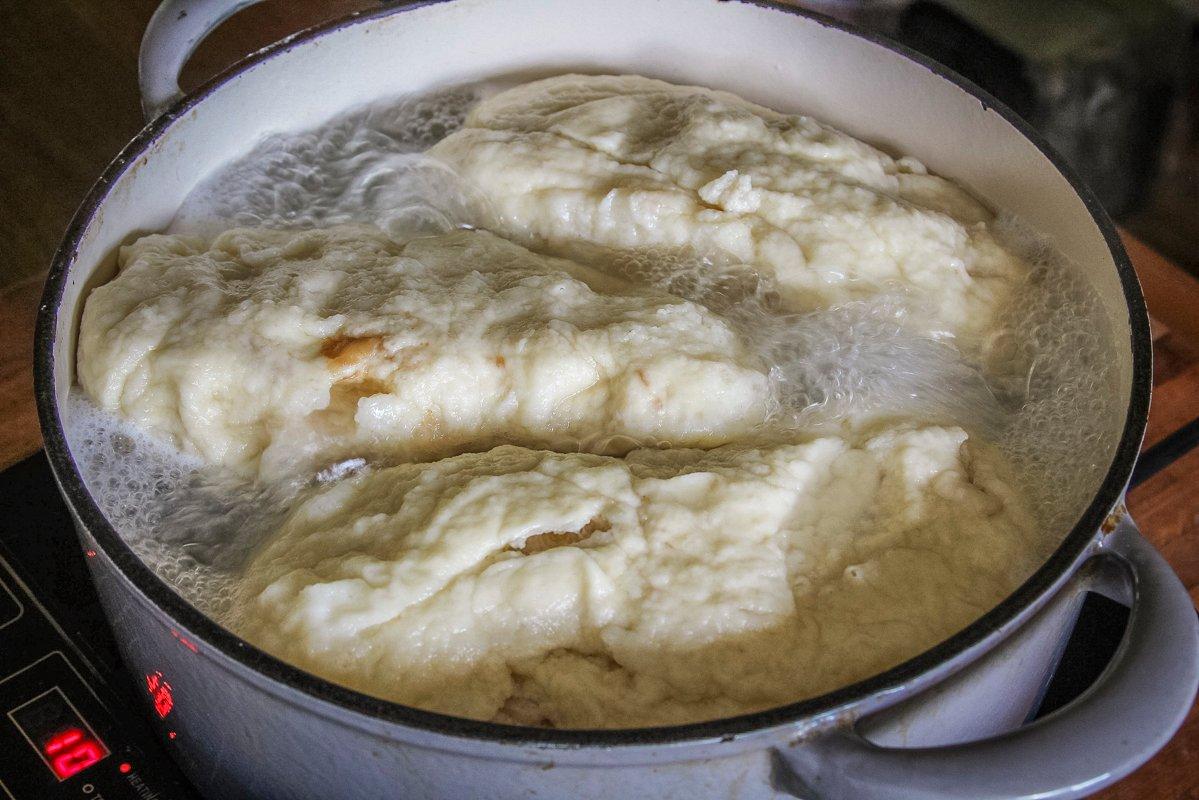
(1040, 386)
(1054, 348)
(364, 166)
(193, 525)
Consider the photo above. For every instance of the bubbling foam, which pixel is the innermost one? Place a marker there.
(861, 359)
(195, 525)
(134, 478)
(1040, 388)
(365, 166)
(1055, 349)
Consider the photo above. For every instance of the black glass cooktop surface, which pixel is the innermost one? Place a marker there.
(70, 723)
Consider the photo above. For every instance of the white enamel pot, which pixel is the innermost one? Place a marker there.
(945, 724)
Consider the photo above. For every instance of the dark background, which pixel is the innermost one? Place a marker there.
(1113, 85)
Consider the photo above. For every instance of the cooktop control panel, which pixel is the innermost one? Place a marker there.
(63, 730)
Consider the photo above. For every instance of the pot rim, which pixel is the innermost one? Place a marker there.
(917, 670)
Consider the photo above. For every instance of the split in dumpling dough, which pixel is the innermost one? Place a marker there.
(580, 590)
(285, 349)
(629, 162)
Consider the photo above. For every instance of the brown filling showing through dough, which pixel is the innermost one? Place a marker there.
(351, 351)
(540, 542)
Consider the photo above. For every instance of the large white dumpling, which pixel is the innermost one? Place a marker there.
(580, 590)
(284, 348)
(631, 162)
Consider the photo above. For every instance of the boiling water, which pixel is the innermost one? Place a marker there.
(365, 166)
(1040, 386)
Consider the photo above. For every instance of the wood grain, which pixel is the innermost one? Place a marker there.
(69, 101)
(68, 98)
(19, 434)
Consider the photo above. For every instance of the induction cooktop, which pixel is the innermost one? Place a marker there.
(74, 723)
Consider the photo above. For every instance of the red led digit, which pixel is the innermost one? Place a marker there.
(62, 740)
(56, 730)
(72, 751)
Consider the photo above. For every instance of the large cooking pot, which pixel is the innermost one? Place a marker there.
(244, 724)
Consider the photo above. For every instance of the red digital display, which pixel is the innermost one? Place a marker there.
(56, 730)
(72, 751)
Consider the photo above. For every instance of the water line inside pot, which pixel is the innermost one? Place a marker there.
(1042, 391)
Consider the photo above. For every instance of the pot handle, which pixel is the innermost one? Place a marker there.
(175, 30)
(1130, 712)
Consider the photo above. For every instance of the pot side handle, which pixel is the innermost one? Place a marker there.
(173, 34)
(1130, 712)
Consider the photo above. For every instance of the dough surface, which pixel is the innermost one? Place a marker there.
(586, 591)
(285, 347)
(628, 162)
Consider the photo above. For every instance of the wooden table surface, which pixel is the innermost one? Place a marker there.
(68, 98)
